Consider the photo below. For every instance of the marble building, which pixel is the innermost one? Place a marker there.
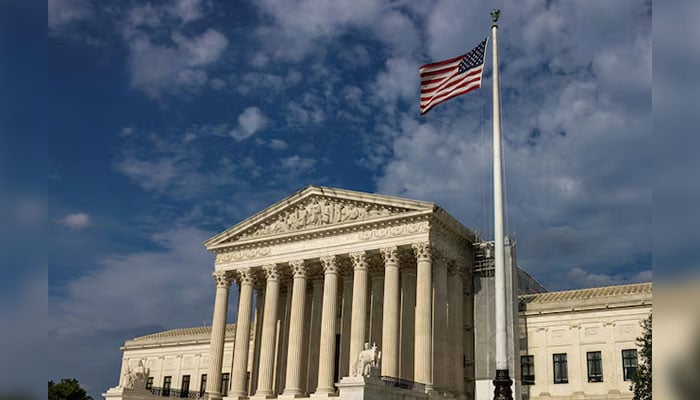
(325, 276)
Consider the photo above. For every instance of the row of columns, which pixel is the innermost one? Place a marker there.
(435, 299)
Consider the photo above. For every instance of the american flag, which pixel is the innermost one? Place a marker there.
(446, 79)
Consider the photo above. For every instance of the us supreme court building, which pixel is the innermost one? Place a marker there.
(355, 295)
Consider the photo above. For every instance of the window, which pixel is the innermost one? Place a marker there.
(527, 369)
(629, 364)
(149, 383)
(224, 383)
(203, 385)
(185, 386)
(595, 366)
(167, 381)
(561, 375)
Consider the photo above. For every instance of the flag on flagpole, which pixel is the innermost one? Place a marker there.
(446, 79)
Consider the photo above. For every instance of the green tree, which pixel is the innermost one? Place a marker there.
(67, 389)
(641, 380)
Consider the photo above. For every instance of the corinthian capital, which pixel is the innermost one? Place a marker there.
(359, 260)
(272, 272)
(245, 276)
(222, 279)
(329, 265)
(422, 250)
(390, 255)
(298, 268)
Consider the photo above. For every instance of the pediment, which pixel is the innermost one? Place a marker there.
(316, 208)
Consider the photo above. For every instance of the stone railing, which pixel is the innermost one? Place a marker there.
(168, 392)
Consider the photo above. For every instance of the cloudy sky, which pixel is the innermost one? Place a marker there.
(173, 120)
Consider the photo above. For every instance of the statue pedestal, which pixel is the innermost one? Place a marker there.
(372, 387)
(120, 393)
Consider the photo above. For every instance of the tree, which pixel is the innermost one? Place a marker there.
(67, 389)
(641, 380)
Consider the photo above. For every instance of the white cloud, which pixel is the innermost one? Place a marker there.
(126, 131)
(398, 82)
(162, 59)
(186, 10)
(151, 175)
(126, 295)
(62, 13)
(76, 221)
(278, 144)
(157, 68)
(250, 122)
(295, 164)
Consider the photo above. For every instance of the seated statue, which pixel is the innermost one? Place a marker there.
(136, 378)
(368, 361)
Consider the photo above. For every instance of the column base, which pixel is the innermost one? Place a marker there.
(234, 397)
(262, 396)
(502, 385)
(289, 396)
(323, 395)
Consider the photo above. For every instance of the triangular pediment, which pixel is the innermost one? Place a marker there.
(317, 207)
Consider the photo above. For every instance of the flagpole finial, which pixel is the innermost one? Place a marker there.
(495, 13)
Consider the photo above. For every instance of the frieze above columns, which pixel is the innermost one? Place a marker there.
(318, 211)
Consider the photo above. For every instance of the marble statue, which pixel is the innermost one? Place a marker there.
(368, 361)
(136, 378)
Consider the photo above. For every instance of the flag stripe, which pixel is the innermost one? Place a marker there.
(433, 83)
(443, 80)
(446, 87)
(432, 99)
(436, 102)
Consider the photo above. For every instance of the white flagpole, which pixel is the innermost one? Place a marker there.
(502, 381)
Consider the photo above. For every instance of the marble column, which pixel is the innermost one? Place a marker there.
(296, 331)
(326, 362)
(239, 368)
(315, 334)
(359, 307)
(440, 357)
(218, 333)
(269, 330)
(285, 306)
(408, 322)
(455, 325)
(259, 306)
(424, 335)
(390, 319)
(346, 319)
(377, 308)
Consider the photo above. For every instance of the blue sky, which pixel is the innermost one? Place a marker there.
(171, 121)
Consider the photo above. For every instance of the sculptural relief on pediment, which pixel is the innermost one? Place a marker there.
(317, 211)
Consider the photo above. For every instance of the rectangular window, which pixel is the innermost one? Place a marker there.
(185, 386)
(224, 383)
(629, 364)
(149, 383)
(203, 385)
(167, 381)
(527, 369)
(595, 366)
(561, 374)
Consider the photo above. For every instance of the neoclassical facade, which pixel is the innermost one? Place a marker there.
(326, 273)
(331, 270)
